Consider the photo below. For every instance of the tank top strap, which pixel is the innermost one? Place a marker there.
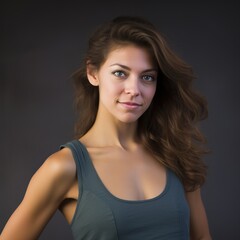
(81, 159)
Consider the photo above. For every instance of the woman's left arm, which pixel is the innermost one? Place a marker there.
(199, 229)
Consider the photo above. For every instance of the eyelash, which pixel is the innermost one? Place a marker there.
(149, 76)
(116, 73)
(123, 75)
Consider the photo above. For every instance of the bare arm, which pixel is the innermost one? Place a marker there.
(199, 229)
(44, 194)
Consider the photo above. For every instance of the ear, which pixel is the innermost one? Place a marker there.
(92, 75)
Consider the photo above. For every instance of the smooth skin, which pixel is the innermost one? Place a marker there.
(127, 84)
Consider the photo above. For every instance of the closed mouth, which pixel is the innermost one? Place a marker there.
(130, 103)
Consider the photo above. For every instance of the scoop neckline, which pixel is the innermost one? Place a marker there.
(161, 194)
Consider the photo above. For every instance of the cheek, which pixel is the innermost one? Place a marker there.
(109, 91)
(109, 86)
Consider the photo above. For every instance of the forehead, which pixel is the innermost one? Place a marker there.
(130, 55)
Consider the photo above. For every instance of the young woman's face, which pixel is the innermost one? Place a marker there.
(127, 83)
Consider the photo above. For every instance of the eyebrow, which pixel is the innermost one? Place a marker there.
(128, 68)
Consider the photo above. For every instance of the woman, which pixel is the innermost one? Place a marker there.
(134, 170)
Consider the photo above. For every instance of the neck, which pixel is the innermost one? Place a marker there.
(108, 132)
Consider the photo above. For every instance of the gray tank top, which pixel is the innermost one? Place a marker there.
(102, 216)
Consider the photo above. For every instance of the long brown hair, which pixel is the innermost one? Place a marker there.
(168, 129)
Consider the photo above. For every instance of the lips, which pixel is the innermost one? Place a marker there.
(129, 105)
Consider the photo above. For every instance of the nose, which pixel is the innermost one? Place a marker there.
(132, 87)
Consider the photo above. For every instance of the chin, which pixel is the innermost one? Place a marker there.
(129, 119)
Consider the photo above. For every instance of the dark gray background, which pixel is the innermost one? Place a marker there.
(42, 45)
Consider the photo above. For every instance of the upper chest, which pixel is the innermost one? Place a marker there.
(127, 175)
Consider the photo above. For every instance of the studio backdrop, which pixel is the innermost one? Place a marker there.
(42, 44)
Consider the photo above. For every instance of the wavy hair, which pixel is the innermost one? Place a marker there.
(169, 128)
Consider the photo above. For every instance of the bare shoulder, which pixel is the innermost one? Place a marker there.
(55, 176)
(45, 192)
(194, 195)
(60, 166)
(61, 163)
